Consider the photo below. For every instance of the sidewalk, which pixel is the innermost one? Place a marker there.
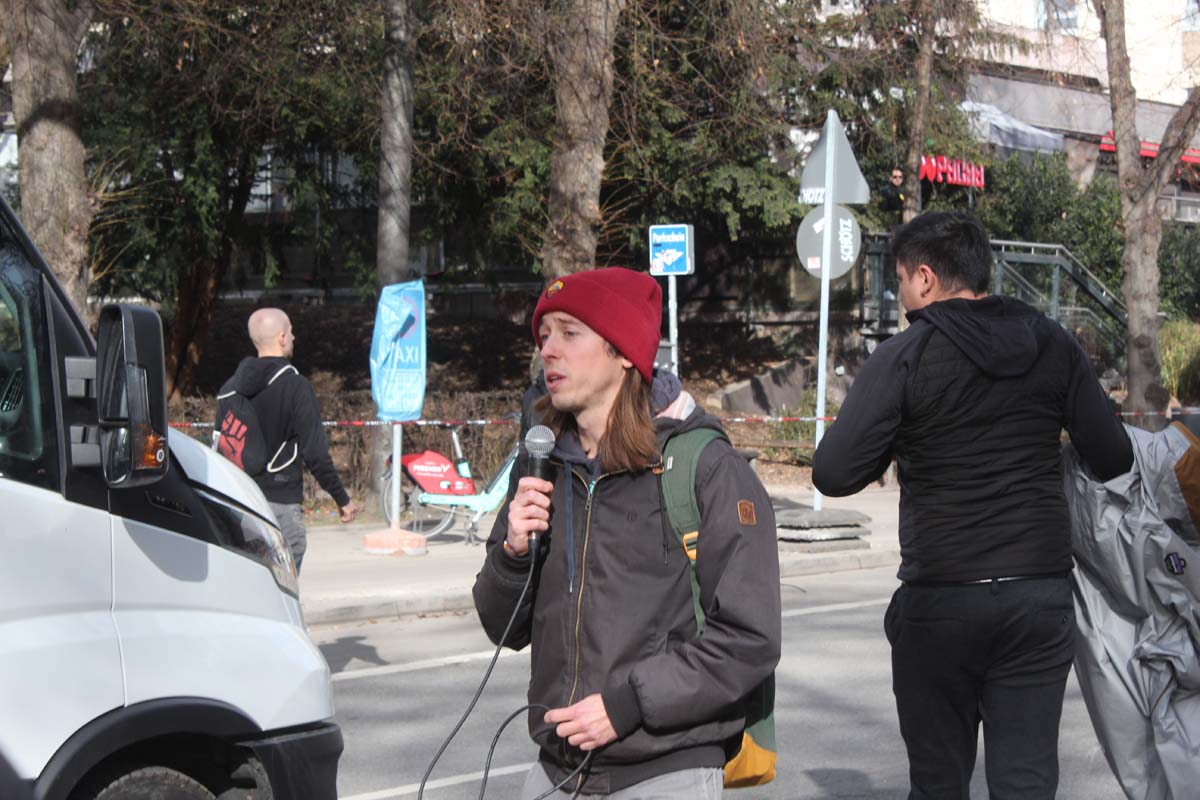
(341, 582)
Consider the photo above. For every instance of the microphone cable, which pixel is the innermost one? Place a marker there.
(487, 766)
(539, 441)
(487, 673)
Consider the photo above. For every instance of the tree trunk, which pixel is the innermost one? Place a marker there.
(1139, 187)
(583, 85)
(395, 185)
(193, 316)
(395, 160)
(923, 82)
(199, 287)
(1143, 233)
(56, 209)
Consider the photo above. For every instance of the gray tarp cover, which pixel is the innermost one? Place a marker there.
(1137, 598)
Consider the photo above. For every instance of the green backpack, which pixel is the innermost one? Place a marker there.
(754, 764)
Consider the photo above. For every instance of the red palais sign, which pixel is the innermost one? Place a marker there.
(952, 170)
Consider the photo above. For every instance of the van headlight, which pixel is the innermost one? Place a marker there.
(247, 534)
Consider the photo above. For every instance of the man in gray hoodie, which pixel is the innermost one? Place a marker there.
(971, 401)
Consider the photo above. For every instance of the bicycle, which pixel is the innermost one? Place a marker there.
(437, 489)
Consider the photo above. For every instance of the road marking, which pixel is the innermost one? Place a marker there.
(440, 783)
(829, 609)
(429, 663)
(485, 655)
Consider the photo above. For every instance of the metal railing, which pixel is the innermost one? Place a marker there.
(1050, 278)
(1046, 276)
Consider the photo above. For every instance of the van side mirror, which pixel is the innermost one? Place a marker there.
(131, 397)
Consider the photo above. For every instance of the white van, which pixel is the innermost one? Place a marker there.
(151, 639)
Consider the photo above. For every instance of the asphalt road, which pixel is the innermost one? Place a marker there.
(400, 687)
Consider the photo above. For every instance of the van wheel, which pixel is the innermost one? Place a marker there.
(154, 783)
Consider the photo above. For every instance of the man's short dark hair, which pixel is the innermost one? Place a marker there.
(954, 245)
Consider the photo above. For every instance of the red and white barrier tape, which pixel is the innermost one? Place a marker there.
(1171, 412)
(454, 423)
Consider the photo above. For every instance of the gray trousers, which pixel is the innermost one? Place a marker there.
(291, 521)
(701, 783)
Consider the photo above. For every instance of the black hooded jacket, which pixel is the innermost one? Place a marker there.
(971, 402)
(290, 417)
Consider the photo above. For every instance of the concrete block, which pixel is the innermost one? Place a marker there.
(392, 541)
(779, 388)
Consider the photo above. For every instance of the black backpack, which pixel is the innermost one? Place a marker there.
(239, 434)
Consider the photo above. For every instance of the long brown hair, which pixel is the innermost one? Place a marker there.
(629, 442)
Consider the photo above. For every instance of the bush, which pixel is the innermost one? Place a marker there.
(799, 431)
(1027, 197)
(1179, 344)
(1179, 279)
(1090, 228)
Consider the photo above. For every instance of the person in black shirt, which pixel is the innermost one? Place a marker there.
(971, 401)
(891, 197)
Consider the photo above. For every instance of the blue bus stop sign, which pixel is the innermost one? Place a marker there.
(672, 250)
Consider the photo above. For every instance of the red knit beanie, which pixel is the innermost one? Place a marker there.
(623, 306)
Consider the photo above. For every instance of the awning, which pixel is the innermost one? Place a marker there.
(991, 125)
(1148, 149)
(1072, 111)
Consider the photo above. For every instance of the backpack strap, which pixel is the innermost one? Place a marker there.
(677, 483)
(754, 764)
(271, 465)
(283, 371)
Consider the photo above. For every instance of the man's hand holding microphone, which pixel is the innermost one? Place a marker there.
(529, 511)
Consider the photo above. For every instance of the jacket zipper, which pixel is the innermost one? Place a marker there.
(587, 530)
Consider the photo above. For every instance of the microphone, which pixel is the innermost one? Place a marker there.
(539, 441)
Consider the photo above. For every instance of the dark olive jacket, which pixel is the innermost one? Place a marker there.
(611, 612)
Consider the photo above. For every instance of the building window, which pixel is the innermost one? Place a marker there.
(1061, 16)
(1191, 15)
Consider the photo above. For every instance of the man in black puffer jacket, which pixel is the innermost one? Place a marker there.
(616, 665)
(971, 401)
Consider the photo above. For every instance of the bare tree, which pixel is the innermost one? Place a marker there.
(582, 54)
(1139, 186)
(396, 140)
(56, 208)
(922, 85)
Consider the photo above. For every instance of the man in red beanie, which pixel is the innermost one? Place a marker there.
(619, 672)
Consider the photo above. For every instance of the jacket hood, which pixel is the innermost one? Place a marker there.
(1002, 336)
(254, 374)
(674, 412)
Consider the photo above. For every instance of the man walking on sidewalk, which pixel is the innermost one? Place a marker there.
(619, 668)
(971, 401)
(288, 417)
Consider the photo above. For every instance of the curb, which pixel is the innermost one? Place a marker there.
(459, 600)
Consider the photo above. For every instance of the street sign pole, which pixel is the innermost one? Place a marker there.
(673, 307)
(672, 253)
(826, 264)
(831, 170)
(396, 470)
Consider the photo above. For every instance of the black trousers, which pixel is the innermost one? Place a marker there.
(997, 653)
